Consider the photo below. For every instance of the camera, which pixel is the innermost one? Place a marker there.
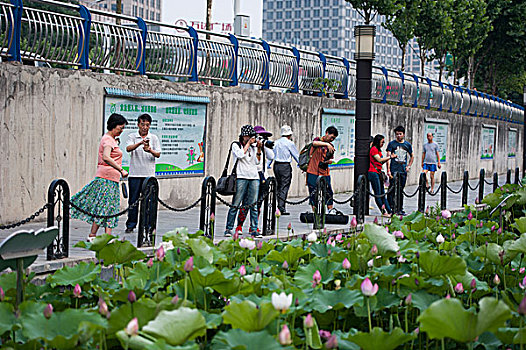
(266, 143)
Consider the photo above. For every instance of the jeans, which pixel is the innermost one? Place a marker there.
(134, 191)
(246, 193)
(283, 173)
(311, 184)
(390, 196)
(378, 189)
(242, 216)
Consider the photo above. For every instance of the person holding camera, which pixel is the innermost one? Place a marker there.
(144, 148)
(267, 156)
(247, 156)
(322, 153)
(375, 174)
(285, 150)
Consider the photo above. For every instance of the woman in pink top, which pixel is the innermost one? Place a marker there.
(101, 196)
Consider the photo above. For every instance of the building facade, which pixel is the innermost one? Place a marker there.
(146, 9)
(326, 25)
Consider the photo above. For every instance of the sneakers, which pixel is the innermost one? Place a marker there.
(332, 211)
(228, 233)
(256, 234)
(239, 230)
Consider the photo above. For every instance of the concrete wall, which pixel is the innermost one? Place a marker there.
(51, 122)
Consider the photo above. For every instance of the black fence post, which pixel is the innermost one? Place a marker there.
(422, 193)
(495, 182)
(208, 206)
(359, 199)
(481, 184)
(269, 208)
(320, 198)
(508, 177)
(517, 175)
(397, 193)
(58, 197)
(465, 188)
(148, 212)
(443, 191)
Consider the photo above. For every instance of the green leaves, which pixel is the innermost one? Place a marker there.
(177, 326)
(7, 317)
(304, 275)
(119, 252)
(70, 276)
(324, 300)
(448, 318)
(385, 241)
(248, 317)
(379, 339)
(240, 340)
(435, 264)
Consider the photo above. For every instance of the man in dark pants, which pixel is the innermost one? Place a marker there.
(143, 148)
(401, 164)
(284, 151)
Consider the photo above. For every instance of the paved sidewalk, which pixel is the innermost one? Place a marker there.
(168, 220)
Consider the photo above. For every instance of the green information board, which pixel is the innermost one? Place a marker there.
(439, 131)
(512, 143)
(178, 121)
(487, 143)
(343, 120)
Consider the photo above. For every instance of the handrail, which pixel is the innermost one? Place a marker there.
(137, 47)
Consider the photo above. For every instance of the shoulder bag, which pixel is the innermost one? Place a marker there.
(226, 185)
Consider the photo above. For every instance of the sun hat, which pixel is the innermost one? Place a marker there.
(261, 131)
(286, 130)
(247, 130)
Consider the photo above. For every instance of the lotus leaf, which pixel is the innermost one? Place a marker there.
(248, 317)
(379, 339)
(241, 340)
(70, 276)
(119, 252)
(385, 242)
(177, 326)
(435, 264)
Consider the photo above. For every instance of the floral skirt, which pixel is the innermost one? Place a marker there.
(100, 197)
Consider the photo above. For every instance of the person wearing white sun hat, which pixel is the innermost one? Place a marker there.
(284, 151)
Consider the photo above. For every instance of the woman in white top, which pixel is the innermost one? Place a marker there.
(247, 157)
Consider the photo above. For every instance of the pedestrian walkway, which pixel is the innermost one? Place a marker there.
(169, 220)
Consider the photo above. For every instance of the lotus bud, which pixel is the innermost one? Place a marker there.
(477, 200)
(521, 270)
(456, 225)
(284, 335)
(398, 234)
(103, 308)
(473, 284)
(522, 306)
(375, 221)
(401, 217)
(339, 237)
(212, 217)
(370, 263)
(329, 252)
(178, 251)
(440, 239)
(77, 291)
(446, 214)
(437, 218)
(132, 328)
(329, 241)
(499, 231)
(296, 302)
(132, 298)
(285, 265)
(448, 296)
(316, 277)
(278, 213)
(235, 237)
(257, 269)
(48, 311)
(492, 228)
(332, 343)
(2, 294)
(159, 253)
(324, 334)
(189, 264)
(354, 223)
(427, 210)
(417, 282)
(417, 254)
(259, 245)
(308, 322)
(349, 245)
(453, 236)
(289, 226)
(346, 264)
(496, 280)
(417, 330)
(409, 299)
(459, 288)
(150, 263)
(367, 287)
(374, 250)
(242, 270)
(470, 215)
(175, 299)
(337, 284)
(303, 237)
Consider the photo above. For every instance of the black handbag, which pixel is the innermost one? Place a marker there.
(226, 185)
(332, 219)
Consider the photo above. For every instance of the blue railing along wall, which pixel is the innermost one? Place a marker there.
(136, 46)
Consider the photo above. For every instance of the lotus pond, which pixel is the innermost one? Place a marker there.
(427, 280)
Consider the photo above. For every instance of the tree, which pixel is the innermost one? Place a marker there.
(402, 23)
(368, 9)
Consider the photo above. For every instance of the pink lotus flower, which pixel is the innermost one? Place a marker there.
(132, 298)
(259, 245)
(212, 217)
(189, 264)
(339, 237)
(492, 228)
(316, 277)
(48, 311)
(289, 226)
(278, 213)
(235, 237)
(354, 223)
(375, 221)
(2, 294)
(453, 236)
(150, 263)
(332, 343)
(459, 288)
(77, 291)
(308, 321)
(473, 284)
(132, 328)
(367, 287)
(499, 231)
(285, 265)
(329, 241)
(346, 264)
(103, 308)
(284, 336)
(446, 214)
(159, 253)
(242, 270)
(398, 234)
(470, 215)
(324, 334)
(496, 280)
(374, 250)
(409, 299)
(175, 299)
(448, 296)
(521, 270)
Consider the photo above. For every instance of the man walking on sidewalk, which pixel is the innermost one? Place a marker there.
(401, 164)
(430, 159)
(284, 151)
(143, 147)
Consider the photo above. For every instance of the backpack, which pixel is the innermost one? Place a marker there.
(305, 157)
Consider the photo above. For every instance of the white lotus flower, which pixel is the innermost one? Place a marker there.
(166, 246)
(281, 302)
(440, 239)
(312, 237)
(247, 244)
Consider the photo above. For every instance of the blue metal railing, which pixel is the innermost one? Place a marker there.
(112, 42)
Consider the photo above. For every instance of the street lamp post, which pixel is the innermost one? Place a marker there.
(524, 135)
(364, 57)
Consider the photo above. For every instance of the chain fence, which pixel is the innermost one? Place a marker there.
(26, 220)
(432, 194)
(96, 216)
(191, 206)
